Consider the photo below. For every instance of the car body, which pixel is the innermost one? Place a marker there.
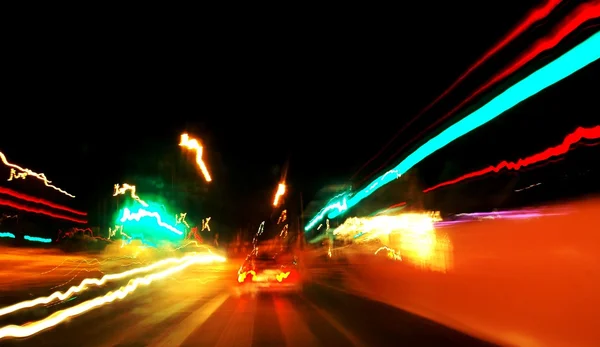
(270, 272)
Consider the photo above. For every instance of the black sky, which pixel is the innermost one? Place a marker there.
(322, 101)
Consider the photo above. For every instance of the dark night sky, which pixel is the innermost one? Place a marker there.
(322, 101)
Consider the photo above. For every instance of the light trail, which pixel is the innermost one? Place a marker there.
(532, 17)
(39, 211)
(37, 239)
(56, 318)
(582, 14)
(26, 172)
(579, 134)
(86, 283)
(123, 189)
(141, 213)
(567, 64)
(205, 225)
(280, 192)
(28, 198)
(193, 144)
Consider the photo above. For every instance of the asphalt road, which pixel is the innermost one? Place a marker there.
(202, 308)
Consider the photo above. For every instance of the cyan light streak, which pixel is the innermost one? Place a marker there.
(572, 61)
(37, 239)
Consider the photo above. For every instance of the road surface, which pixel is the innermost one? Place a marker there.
(202, 308)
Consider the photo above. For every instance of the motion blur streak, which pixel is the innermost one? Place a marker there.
(17, 195)
(39, 211)
(570, 140)
(533, 17)
(193, 144)
(86, 283)
(60, 316)
(279, 194)
(521, 282)
(26, 172)
(409, 236)
(582, 14)
(572, 61)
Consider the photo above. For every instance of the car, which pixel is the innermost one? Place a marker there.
(270, 272)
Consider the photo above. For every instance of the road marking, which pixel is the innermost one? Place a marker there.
(179, 334)
(335, 324)
(239, 328)
(154, 317)
(294, 329)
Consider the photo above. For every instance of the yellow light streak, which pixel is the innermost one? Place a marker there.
(180, 219)
(14, 175)
(122, 189)
(412, 235)
(242, 275)
(87, 282)
(193, 144)
(279, 194)
(281, 276)
(205, 225)
(56, 318)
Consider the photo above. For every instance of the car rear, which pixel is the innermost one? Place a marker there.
(268, 274)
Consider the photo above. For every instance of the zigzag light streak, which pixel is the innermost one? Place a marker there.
(37, 239)
(87, 283)
(27, 172)
(563, 148)
(28, 198)
(570, 140)
(121, 190)
(141, 213)
(193, 144)
(74, 231)
(32, 328)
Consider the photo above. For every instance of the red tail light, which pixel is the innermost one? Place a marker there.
(287, 275)
(246, 276)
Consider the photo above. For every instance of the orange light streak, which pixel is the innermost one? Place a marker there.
(42, 177)
(193, 144)
(279, 194)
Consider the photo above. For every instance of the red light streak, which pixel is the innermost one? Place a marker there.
(582, 14)
(73, 231)
(571, 139)
(194, 232)
(39, 211)
(28, 198)
(533, 17)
